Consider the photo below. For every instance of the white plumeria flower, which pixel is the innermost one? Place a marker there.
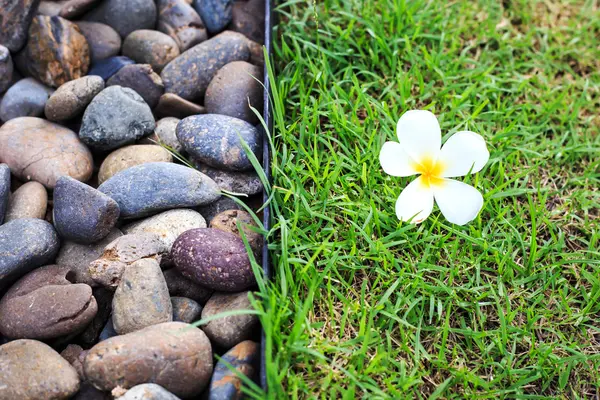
(419, 153)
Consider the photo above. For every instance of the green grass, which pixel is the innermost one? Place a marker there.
(363, 306)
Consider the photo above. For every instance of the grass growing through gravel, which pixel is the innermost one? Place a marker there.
(505, 307)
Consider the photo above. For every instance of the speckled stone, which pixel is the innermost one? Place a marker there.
(77, 257)
(142, 298)
(15, 18)
(56, 51)
(228, 331)
(116, 116)
(72, 98)
(74, 8)
(152, 187)
(246, 182)
(130, 156)
(6, 69)
(81, 213)
(150, 47)
(33, 370)
(125, 16)
(217, 140)
(44, 304)
(107, 67)
(25, 244)
(148, 356)
(248, 17)
(181, 286)
(142, 79)
(228, 221)
(5, 191)
(235, 88)
(171, 105)
(181, 22)
(28, 201)
(185, 310)
(181, 76)
(225, 384)
(36, 149)
(164, 133)
(148, 391)
(216, 14)
(214, 259)
(26, 98)
(103, 40)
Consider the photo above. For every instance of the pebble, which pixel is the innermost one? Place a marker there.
(16, 16)
(150, 47)
(75, 8)
(164, 133)
(25, 244)
(181, 286)
(6, 69)
(216, 14)
(182, 75)
(185, 310)
(217, 140)
(5, 192)
(168, 225)
(235, 88)
(181, 22)
(228, 331)
(149, 356)
(107, 67)
(90, 335)
(248, 17)
(257, 55)
(142, 298)
(142, 79)
(28, 201)
(81, 213)
(171, 105)
(148, 391)
(56, 51)
(115, 117)
(73, 354)
(213, 258)
(38, 150)
(77, 257)
(228, 221)
(123, 252)
(44, 304)
(51, 8)
(129, 156)
(223, 204)
(226, 384)
(125, 16)
(71, 99)
(26, 98)
(153, 187)
(33, 370)
(103, 40)
(245, 182)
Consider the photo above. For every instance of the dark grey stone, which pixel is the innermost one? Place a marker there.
(4, 190)
(152, 187)
(223, 204)
(81, 213)
(216, 140)
(25, 244)
(26, 98)
(125, 16)
(6, 69)
(216, 14)
(183, 287)
(108, 331)
(115, 117)
(142, 79)
(246, 182)
(109, 66)
(15, 18)
(104, 41)
(249, 19)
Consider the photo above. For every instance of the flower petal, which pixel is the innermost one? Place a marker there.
(460, 203)
(462, 151)
(419, 134)
(415, 201)
(395, 161)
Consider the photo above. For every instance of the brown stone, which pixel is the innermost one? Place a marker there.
(228, 331)
(257, 54)
(150, 47)
(75, 355)
(57, 52)
(179, 20)
(71, 99)
(129, 156)
(185, 310)
(15, 18)
(228, 221)
(227, 383)
(28, 201)
(249, 19)
(171, 105)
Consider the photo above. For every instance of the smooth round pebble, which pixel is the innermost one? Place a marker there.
(228, 331)
(81, 213)
(148, 391)
(72, 98)
(75, 355)
(164, 133)
(125, 16)
(6, 69)
(148, 356)
(214, 259)
(26, 98)
(103, 40)
(216, 14)
(226, 384)
(181, 22)
(16, 16)
(228, 221)
(33, 370)
(142, 79)
(51, 8)
(5, 191)
(38, 150)
(107, 67)
(142, 298)
(245, 182)
(257, 55)
(248, 17)
(171, 105)
(28, 201)
(129, 156)
(150, 47)
(181, 286)
(185, 310)
(74, 8)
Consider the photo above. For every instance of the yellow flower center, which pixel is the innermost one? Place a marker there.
(431, 171)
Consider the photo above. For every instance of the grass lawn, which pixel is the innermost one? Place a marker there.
(508, 306)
